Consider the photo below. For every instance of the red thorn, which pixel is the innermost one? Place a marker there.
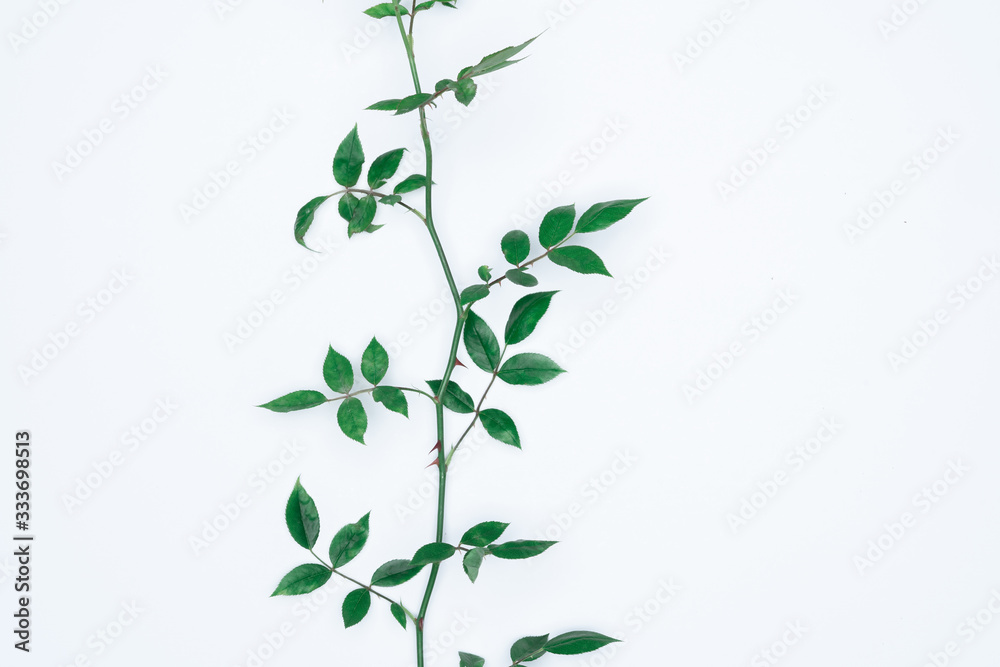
(459, 363)
(437, 445)
(434, 462)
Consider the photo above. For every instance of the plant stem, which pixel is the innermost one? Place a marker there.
(459, 319)
(529, 263)
(355, 581)
(479, 407)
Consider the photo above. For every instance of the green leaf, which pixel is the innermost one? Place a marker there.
(303, 579)
(498, 60)
(500, 426)
(443, 84)
(472, 561)
(302, 517)
(297, 400)
(356, 606)
(337, 372)
(435, 552)
(527, 649)
(384, 105)
(384, 167)
(394, 573)
(481, 343)
(603, 215)
(575, 643)
(348, 542)
(410, 183)
(483, 534)
(524, 316)
(347, 205)
(521, 277)
(556, 225)
(465, 91)
(384, 9)
(470, 660)
(484, 273)
(352, 419)
(374, 362)
(529, 368)
(413, 102)
(519, 549)
(398, 613)
(392, 398)
(579, 259)
(390, 200)
(454, 398)
(430, 3)
(304, 219)
(515, 246)
(349, 160)
(473, 293)
(363, 216)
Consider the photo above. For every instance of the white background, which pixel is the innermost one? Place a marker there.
(606, 76)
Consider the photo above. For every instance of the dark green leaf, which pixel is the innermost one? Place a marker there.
(454, 398)
(524, 316)
(473, 294)
(472, 561)
(302, 517)
(521, 277)
(410, 183)
(435, 552)
(470, 660)
(484, 273)
(412, 102)
(529, 368)
(304, 219)
(303, 579)
(498, 60)
(500, 426)
(392, 398)
(394, 573)
(575, 643)
(556, 225)
(363, 216)
(527, 649)
(352, 419)
(349, 160)
(384, 167)
(465, 91)
(384, 105)
(347, 205)
(337, 372)
(515, 246)
(481, 343)
(297, 400)
(443, 84)
(384, 9)
(398, 613)
(356, 606)
(483, 534)
(374, 362)
(579, 259)
(390, 200)
(519, 549)
(348, 542)
(603, 215)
